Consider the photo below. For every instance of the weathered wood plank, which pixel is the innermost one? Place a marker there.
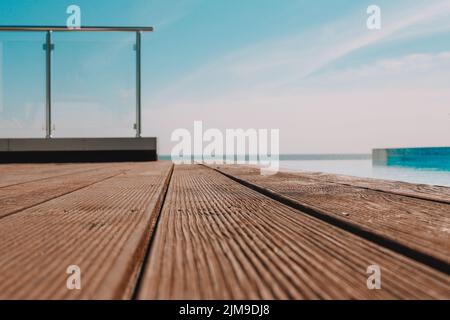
(25, 195)
(418, 224)
(28, 194)
(420, 191)
(12, 175)
(104, 229)
(217, 239)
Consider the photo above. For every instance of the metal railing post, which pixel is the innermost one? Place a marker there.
(48, 96)
(138, 84)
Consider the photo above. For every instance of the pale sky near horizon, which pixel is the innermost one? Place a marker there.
(309, 68)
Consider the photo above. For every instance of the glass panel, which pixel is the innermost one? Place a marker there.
(156, 76)
(94, 84)
(22, 84)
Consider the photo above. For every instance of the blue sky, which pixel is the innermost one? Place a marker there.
(309, 68)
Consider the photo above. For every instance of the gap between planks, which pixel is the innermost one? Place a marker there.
(421, 257)
(217, 239)
(111, 271)
(151, 237)
(43, 196)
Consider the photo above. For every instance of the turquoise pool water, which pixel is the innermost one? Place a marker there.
(364, 168)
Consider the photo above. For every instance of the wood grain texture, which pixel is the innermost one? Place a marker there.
(104, 229)
(420, 191)
(217, 239)
(422, 225)
(28, 194)
(16, 174)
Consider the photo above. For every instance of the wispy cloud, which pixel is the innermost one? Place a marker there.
(162, 14)
(416, 67)
(279, 63)
(290, 83)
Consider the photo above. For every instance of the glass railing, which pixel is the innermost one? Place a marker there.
(93, 84)
(22, 84)
(84, 84)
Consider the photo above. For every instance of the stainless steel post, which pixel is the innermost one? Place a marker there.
(138, 84)
(48, 65)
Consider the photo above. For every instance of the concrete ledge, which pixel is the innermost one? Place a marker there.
(77, 150)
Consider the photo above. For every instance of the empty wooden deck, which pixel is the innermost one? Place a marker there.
(158, 231)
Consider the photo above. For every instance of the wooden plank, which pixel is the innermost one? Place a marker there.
(28, 194)
(16, 174)
(104, 229)
(217, 239)
(414, 223)
(420, 191)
